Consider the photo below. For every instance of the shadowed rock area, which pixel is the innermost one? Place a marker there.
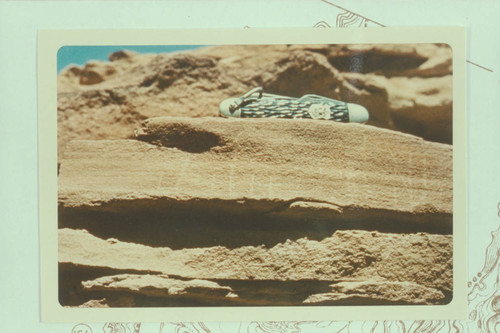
(162, 203)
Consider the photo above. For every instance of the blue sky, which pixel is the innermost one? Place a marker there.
(79, 55)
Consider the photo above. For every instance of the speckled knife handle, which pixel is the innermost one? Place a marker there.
(295, 108)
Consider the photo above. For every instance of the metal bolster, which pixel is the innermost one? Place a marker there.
(246, 97)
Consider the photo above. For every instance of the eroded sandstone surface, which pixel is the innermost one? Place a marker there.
(162, 203)
(405, 88)
(400, 265)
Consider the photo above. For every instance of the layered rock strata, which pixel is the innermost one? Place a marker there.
(189, 209)
(265, 212)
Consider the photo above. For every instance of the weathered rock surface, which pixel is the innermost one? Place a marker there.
(421, 258)
(295, 169)
(378, 292)
(425, 260)
(232, 200)
(422, 60)
(95, 303)
(197, 210)
(106, 100)
(158, 286)
(421, 106)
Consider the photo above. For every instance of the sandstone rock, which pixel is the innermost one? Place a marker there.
(159, 286)
(423, 259)
(378, 292)
(193, 83)
(273, 168)
(95, 72)
(413, 105)
(299, 74)
(195, 210)
(122, 55)
(95, 303)
(410, 60)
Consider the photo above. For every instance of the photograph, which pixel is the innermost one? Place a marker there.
(264, 167)
(255, 175)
